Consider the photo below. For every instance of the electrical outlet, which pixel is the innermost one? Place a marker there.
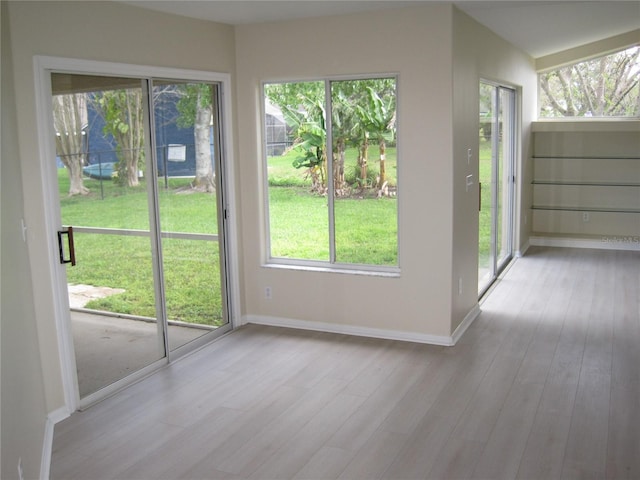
(267, 293)
(20, 471)
(585, 216)
(460, 286)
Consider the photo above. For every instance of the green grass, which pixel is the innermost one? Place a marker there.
(366, 229)
(484, 228)
(484, 242)
(366, 232)
(191, 267)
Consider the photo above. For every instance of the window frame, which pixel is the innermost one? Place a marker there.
(571, 64)
(330, 265)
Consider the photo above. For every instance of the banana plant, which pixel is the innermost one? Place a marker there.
(309, 122)
(378, 118)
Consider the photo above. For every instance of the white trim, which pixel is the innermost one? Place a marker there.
(465, 324)
(521, 252)
(605, 243)
(360, 331)
(42, 66)
(51, 210)
(231, 245)
(47, 445)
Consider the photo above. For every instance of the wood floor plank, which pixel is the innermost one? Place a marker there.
(293, 455)
(623, 448)
(544, 384)
(373, 459)
(327, 462)
(504, 449)
(544, 452)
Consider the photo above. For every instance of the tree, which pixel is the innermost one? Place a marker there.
(358, 112)
(302, 105)
(602, 87)
(378, 120)
(196, 110)
(311, 140)
(122, 113)
(69, 120)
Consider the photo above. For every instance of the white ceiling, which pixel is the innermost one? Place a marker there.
(538, 27)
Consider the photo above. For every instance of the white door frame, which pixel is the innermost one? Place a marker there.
(43, 66)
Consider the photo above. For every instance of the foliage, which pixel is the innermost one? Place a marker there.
(122, 113)
(603, 87)
(302, 105)
(359, 109)
(191, 97)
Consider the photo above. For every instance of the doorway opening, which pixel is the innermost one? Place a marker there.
(139, 182)
(497, 145)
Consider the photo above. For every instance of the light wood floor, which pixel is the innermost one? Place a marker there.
(545, 384)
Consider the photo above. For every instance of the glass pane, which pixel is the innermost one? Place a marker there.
(113, 309)
(365, 171)
(296, 170)
(505, 151)
(187, 195)
(102, 186)
(485, 176)
(606, 86)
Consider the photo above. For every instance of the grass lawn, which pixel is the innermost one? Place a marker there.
(366, 233)
(191, 267)
(366, 228)
(484, 231)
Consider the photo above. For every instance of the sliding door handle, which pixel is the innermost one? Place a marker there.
(72, 251)
(479, 196)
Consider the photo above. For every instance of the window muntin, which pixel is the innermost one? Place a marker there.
(339, 208)
(608, 86)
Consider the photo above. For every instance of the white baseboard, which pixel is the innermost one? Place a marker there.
(466, 323)
(365, 331)
(47, 445)
(605, 243)
(520, 253)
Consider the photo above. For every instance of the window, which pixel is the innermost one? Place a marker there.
(338, 208)
(602, 87)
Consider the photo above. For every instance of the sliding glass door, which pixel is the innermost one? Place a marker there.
(139, 169)
(496, 173)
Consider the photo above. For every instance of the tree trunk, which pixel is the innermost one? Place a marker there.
(76, 181)
(130, 158)
(69, 116)
(133, 140)
(338, 168)
(364, 157)
(383, 157)
(204, 179)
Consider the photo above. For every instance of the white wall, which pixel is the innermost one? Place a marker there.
(429, 47)
(439, 54)
(23, 409)
(415, 43)
(480, 54)
(102, 31)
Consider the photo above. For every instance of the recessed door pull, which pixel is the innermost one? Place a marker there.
(72, 252)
